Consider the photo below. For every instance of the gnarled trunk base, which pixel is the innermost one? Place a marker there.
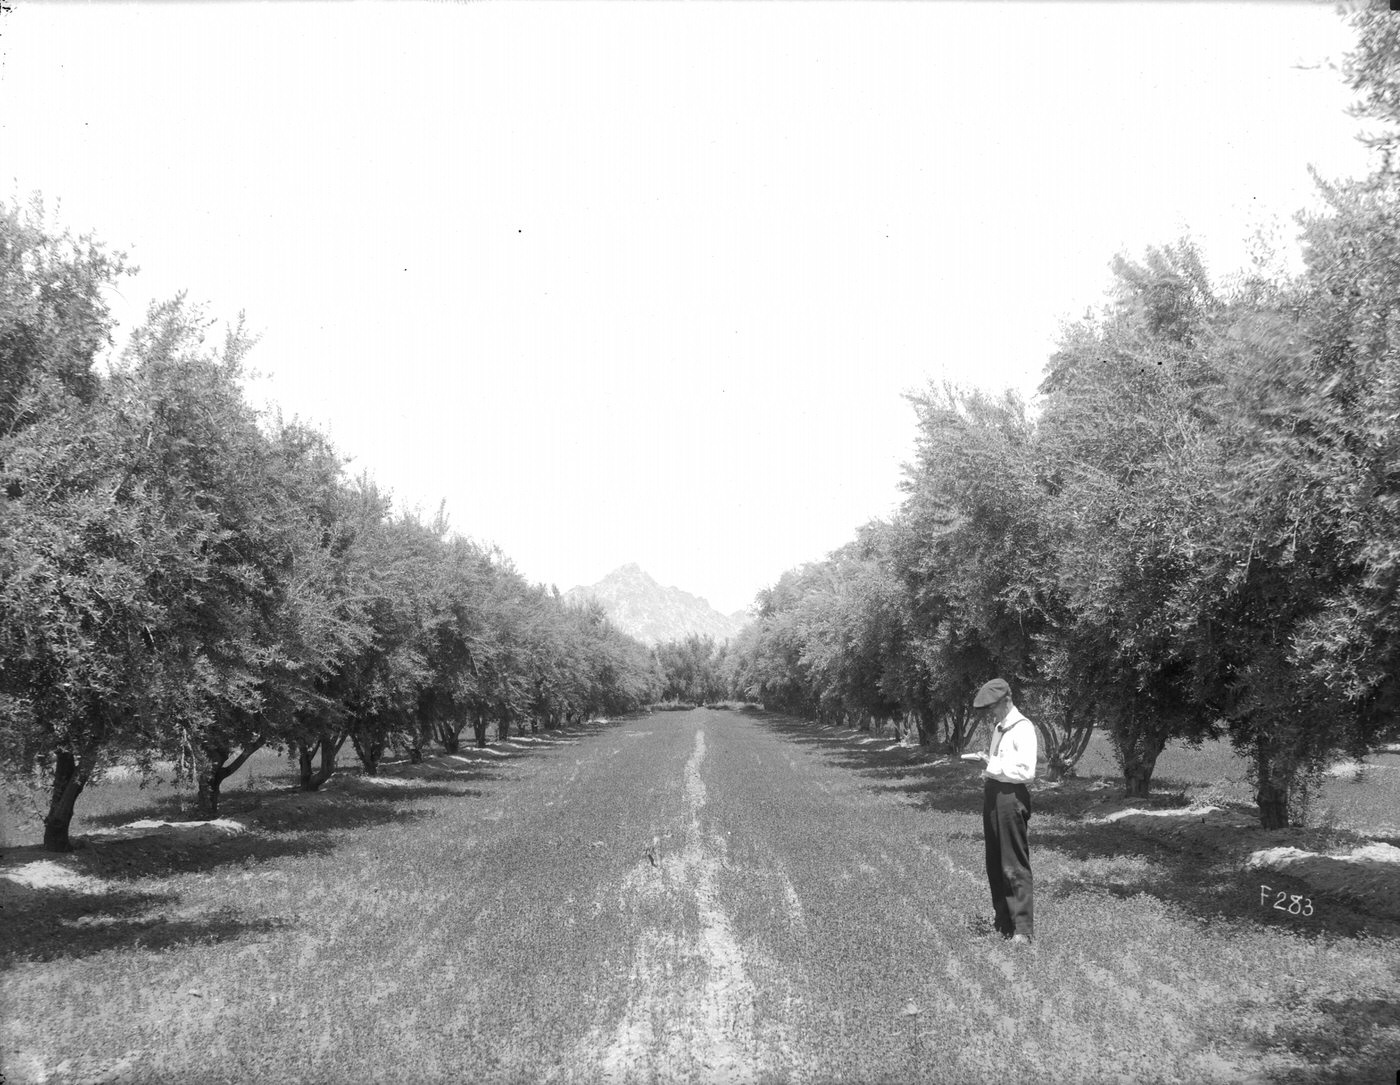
(66, 789)
(311, 780)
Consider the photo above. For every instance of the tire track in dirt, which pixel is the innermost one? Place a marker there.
(691, 1009)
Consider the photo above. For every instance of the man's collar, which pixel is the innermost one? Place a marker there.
(1012, 718)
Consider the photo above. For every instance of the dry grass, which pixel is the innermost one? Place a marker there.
(1155, 961)
(811, 916)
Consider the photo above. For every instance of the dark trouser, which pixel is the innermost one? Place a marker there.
(1006, 808)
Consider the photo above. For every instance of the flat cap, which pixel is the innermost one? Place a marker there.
(991, 693)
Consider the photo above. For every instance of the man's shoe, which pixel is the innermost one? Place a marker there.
(1021, 940)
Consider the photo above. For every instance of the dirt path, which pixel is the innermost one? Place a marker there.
(684, 897)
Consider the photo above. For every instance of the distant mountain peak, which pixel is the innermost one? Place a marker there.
(642, 608)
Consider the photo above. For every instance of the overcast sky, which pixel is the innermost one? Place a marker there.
(646, 283)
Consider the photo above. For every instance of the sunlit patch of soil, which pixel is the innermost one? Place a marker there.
(46, 874)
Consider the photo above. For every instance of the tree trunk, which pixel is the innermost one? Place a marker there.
(1064, 746)
(210, 789)
(1050, 745)
(66, 789)
(503, 728)
(304, 755)
(958, 726)
(1273, 807)
(1137, 772)
(207, 788)
(1064, 750)
(369, 749)
(415, 755)
(449, 734)
(216, 772)
(328, 748)
(69, 778)
(479, 726)
(1272, 792)
(1138, 740)
(924, 724)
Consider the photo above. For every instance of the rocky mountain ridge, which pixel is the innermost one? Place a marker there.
(644, 609)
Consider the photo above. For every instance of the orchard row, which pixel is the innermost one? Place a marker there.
(184, 579)
(1192, 531)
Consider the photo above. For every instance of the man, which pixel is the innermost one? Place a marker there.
(1006, 810)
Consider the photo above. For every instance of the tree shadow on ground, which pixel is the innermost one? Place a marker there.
(1208, 883)
(174, 851)
(912, 770)
(286, 810)
(1212, 883)
(324, 808)
(57, 923)
(244, 803)
(1354, 1039)
(350, 800)
(469, 765)
(1327, 1041)
(834, 738)
(49, 922)
(350, 809)
(278, 824)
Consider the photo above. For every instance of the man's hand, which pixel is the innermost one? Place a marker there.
(978, 756)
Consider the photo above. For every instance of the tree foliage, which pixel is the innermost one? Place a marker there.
(693, 670)
(1196, 534)
(184, 579)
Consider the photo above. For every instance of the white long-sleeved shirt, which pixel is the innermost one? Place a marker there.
(1011, 758)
